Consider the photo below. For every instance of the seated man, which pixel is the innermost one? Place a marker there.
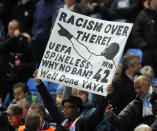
(15, 115)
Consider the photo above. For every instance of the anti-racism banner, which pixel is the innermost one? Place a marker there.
(83, 52)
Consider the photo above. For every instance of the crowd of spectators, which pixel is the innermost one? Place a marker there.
(131, 102)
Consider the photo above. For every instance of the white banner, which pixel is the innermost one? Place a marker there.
(83, 52)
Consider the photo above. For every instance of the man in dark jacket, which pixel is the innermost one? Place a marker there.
(143, 109)
(72, 109)
(16, 59)
(124, 83)
(145, 33)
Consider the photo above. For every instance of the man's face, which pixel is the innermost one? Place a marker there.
(15, 120)
(136, 67)
(19, 94)
(81, 95)
(69, 110)
(69, 3)
(12, 27)
(141, 88)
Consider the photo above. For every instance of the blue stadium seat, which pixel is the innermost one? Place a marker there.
(6, 101)
(52, 87)
(154, 82)
(53, 124)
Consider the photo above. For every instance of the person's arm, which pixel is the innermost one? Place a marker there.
(49, 102)
(114, 98)
(124, 120)
(97, 116)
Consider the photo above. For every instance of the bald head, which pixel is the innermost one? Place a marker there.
(142, 85)
(143, 79)
(13, 25)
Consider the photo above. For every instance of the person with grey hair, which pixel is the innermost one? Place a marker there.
(123, 84)
(141, 110)
(33, 122)
(143, 127)
(147, 71)
(38, 108)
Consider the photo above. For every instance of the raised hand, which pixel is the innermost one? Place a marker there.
(38, 81)
(109, 110)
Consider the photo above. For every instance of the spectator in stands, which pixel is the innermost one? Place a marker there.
(88, 106)
(23, 12)
(123, 84)
(141, 110)
(21, 91)
(75, 6)
(145, 33)
(72, 109)
(38, 108)
(147, 71)
(143, 127)
(16, 58)
(33, 122)
(22, 94)
(15, 115)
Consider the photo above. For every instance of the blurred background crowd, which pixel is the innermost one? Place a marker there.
(25, 27)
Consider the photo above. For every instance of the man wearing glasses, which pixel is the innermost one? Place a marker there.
(72, 107)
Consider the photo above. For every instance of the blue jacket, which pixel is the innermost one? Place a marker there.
(42, 18)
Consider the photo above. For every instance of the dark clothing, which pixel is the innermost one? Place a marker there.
(17, 49)
(123, 92)
(24, 14)
(42, 22)
(42, 19)
(113, 12)
(83, 124)
(131, 115)
(12, 50)
(6, 11)
(154, 126)
(145, 36)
